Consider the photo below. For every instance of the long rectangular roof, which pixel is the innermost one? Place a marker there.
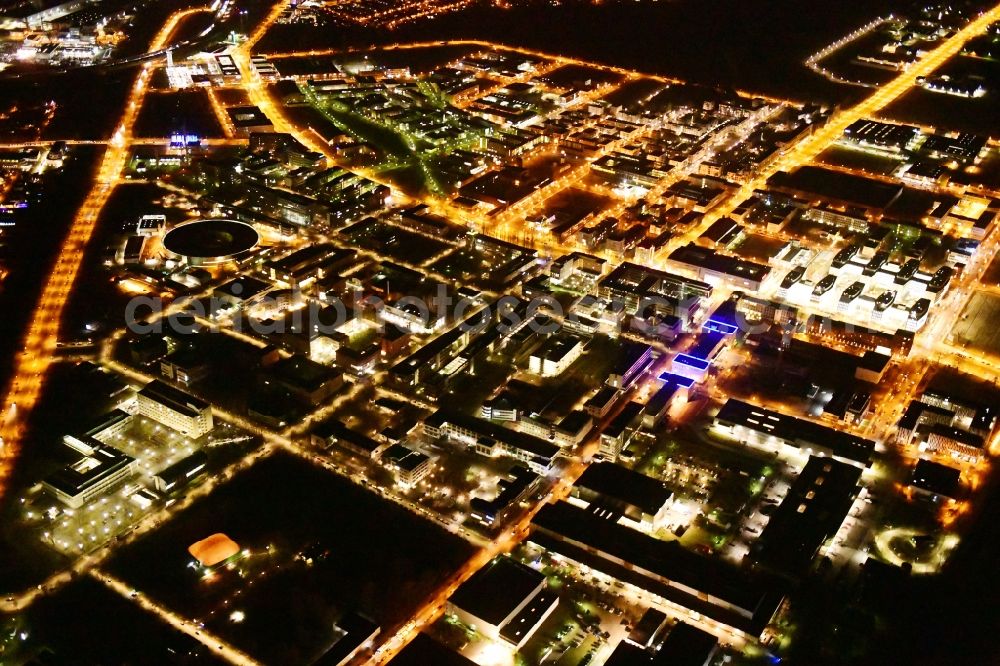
(620, 484)
(797, 431)
(812, 511)
(496, 590)
(589, 533)
(175, 399)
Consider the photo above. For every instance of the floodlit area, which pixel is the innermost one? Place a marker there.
(418, 352)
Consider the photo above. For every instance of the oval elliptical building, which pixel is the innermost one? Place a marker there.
(210, 241)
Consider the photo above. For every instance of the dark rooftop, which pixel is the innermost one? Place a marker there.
(800, 432)
(497, 589)
(425, 651)
(812, 511)
(582, 534)
(935, 478)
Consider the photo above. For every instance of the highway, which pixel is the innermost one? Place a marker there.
(39, 344)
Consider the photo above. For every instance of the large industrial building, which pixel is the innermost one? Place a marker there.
(734, 599)
(767, 428)
(100, 469)
(810, 514)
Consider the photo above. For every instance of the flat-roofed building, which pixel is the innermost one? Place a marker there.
(505, 600)
(573, 428)
(684, 645)
(425, 651)
(555, 355)
(739, 599)
(767, 428)
(656, 409)
(181, 473)
(175, 409)
(881, 136)
(632, 498)
(979, 417)
(633, 359)
(619, 432)
(306, 379)
(714, 267)
(811, 513)
(935, 480)
(512, 489)
(645, 291)
(754, 310)
(649, 629)
(101, 469)
(334, 432)
(105, 427)
(599, 404)
(240, 291)
(490, 439)
(353, 633)
(409, 466)
(960, 443)
(687, 645)
(185, 366)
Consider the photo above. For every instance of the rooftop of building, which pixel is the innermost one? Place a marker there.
(665, 559)
(175, 399)
(700, 257)
(425, 651)
(88, 470)
(936, 478)
(494, 591)
(352, 630)
(687, 645)
(519, 440)
(798, 431)
(302, 372)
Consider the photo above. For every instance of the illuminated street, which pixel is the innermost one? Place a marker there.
(365, 341)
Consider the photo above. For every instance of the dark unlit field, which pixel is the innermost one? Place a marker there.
(977, 326)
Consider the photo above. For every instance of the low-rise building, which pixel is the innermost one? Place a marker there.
(307, 380)
(623, 495)
(334, 432)
(811, 513)
(409, 466)
(711, 587)
(181, 473)
(513, 488)
(619, 432)
(935, 480)
(490, 439)
(767, 428)
(505, 600)
(555, 356)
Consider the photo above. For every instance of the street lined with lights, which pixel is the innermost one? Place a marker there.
(39, 349)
